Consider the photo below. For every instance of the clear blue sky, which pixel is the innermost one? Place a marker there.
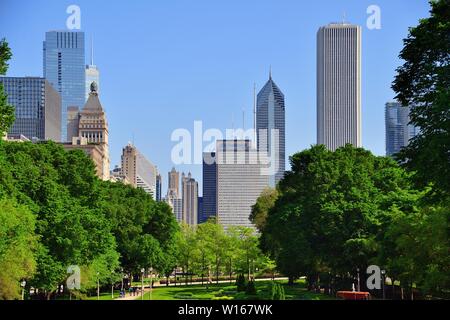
(165, 64)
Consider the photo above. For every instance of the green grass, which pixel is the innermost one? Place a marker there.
(226, 291)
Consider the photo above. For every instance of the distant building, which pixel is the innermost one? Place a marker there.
(158, 187)
(92, 134)
(116, 175)
(398, 130)
(240, 181)
(64, 68)
(37, 107)
(200, 210)
(139, 171)
(174, 183)
(190, 199)
(339, 85)
(270, 127)
(209, 187)
(92, 74)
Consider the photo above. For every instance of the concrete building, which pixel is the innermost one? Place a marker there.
(398, 130)
(240, 181)
(190, 199)
(92, 133)
(270, 128)
(339, 85)
(174, 183)
(37, 108)
(139, 171)
(64, 68)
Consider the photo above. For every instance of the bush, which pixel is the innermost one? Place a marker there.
(241, 283)
(278, 292)
(251, 289)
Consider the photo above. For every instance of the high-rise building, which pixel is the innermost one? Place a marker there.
(190, 199)
(174, 183)
(158, 187)
(37, 107)
(398, 130)
(339, 85)
(270, 128)
(92, 134)
(64, 68)
(92, 74)
(209, 187)
(200, 210)
(240, 181)
(139, 171)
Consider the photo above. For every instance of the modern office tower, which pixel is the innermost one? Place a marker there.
(174, 183)
(339, 85)
(270, 127)
(177, 207)
(64, 68)
(37, 107)
(200, 218)
(158, 187)
(209, 187)
(92, 133)
(190, 199)
(398, 130)
(92, 74)
(240, 181)
(139, 171)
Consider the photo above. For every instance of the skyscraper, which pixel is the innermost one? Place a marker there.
(398, 130)
(209, 187)
(270, 127)
(64, 68)
(37, 107)
(240, 181)
(339, 85)
(190, 199)
(174, 183)
(158, 187)
(92, 74)
(138, 170)
(89, 132)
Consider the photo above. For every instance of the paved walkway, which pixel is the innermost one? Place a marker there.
(179, 284)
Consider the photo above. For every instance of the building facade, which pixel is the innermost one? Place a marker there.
(138, 170)
(190, 199)
(92, 74)
(37, 107)
(92, 133)
(339, 85)
(240, 181)
(64, 68)
(270, 128)
(209, 187)
(158, 187)
(398, 130)
(174, 183)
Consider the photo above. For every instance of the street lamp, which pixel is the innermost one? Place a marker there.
(142, 285)
(359, 283)
(383, 274)
(151, 282)
(23, 284)
(98, 286)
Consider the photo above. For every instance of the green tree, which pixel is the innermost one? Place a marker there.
(6, 111)
(17, 245)
(262, 206)
(423, 82)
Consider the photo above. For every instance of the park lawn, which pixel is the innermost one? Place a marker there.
(227, 291)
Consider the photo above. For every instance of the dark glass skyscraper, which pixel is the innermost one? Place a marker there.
(270, 118)
(37, 107)
(64, 68)
(209, 187)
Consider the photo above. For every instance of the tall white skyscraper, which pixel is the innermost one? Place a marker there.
(190, 199)
(92, 74)
(339, 85)
(240, 181)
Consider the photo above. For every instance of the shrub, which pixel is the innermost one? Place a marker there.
(241, 283)
(278, 292)
(251, 289)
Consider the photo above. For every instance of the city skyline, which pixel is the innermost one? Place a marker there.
(293, 67)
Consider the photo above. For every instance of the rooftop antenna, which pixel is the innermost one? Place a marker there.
(270, 72)
(344, 17)
(254, 113)
(92, 51)
(243, 119)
